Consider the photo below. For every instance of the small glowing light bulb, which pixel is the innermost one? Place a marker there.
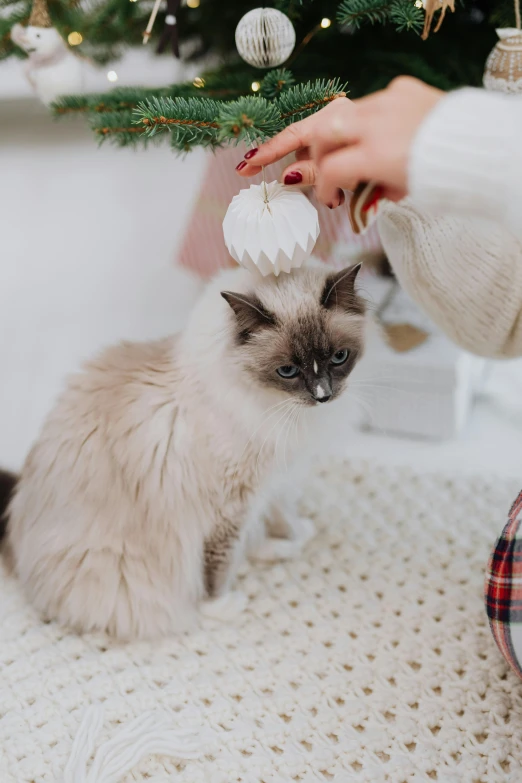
(255, 86)
(325, 22)
(193, 3)
(112, 76)
(419, 4)
(198, 82)
(75, 39)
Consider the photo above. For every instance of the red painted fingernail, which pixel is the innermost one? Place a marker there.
(376, 197)
(241, 165)
(293, 178)
(251, 153)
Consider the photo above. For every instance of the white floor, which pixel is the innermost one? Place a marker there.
(89, 238)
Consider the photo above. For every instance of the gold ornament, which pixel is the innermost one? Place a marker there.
(503, 71)
(430, 8)
(40, 14)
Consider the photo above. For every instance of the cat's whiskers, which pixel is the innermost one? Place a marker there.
(366, 406)
(297, 424)
(284, 429)
(285, 410)
(294, 417)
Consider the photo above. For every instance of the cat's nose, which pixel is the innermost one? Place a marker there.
(322, 392)
(325, 398)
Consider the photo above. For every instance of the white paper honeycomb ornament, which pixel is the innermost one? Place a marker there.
(265, 37)
(270, 228)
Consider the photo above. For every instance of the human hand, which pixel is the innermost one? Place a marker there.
(350, 142)
(376, 144)
(300, 138)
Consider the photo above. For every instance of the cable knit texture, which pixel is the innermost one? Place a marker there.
(465, 272)
(368, 659)
(467, 157)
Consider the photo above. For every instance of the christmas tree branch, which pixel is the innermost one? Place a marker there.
(275, 82)
(406, 16)
(358, 12)
(119, 128)
(191, 121)
(19, 15)
(249, 118)
(130, 97)
(122, 117)
(305, 99)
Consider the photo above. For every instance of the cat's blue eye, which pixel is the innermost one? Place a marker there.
(288, 371)
(340, 357)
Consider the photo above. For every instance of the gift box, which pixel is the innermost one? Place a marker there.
(426, 391)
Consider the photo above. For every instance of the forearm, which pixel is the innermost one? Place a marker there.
(467, 158)
(465, 273)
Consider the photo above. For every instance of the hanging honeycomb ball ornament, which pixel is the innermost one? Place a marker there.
(503, 71)
(270, 229)
(265, 37)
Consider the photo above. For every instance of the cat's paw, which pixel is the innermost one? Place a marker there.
(272, 549)
(225, 608)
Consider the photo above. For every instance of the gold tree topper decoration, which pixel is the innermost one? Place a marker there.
(40, 14)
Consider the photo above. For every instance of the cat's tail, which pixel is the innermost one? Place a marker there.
(7, 485)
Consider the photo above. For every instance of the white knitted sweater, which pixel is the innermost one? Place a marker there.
(456, 245)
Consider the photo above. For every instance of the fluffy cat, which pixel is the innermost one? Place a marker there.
(136, 502)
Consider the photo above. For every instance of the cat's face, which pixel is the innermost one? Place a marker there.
(301, 334)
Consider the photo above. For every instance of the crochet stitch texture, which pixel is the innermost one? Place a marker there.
(369, 659)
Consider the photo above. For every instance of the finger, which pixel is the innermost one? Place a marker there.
(247, 169)
(303, 153)
(338, 133)
(299, 173)
(296, 136)
(341, 169)
(304, 173)
(394, 194)
(288, 140)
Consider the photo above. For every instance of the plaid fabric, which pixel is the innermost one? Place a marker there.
(503, 589)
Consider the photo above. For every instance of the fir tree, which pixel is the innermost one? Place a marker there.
(368, 43)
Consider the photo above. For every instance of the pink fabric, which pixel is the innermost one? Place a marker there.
(203, 250)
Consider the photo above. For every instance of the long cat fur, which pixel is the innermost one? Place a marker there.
(136, 500)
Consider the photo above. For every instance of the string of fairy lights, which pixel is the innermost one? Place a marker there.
(76, 38)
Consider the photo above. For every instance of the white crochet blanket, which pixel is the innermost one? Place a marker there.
(367, 660)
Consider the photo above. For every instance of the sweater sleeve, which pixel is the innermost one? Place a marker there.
(467, 158)
(464, 272)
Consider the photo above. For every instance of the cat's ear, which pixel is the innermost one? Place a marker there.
(339, 291)
(250, 312)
